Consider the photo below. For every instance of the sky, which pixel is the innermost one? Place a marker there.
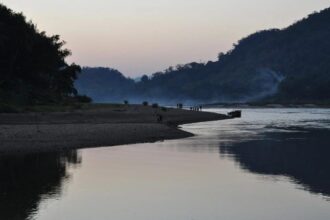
(145, 36)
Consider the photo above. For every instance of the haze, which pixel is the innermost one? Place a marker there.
(146, 36)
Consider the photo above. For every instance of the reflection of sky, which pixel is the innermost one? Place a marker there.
(177, 179)
(191, 178)
(149, 35)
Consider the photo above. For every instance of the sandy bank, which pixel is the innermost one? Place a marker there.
(93, 127)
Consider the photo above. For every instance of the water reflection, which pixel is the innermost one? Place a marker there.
(302, 155)
(27, 180)
(183, 179)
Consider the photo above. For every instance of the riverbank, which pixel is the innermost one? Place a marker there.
(96, 126)
(268, 105)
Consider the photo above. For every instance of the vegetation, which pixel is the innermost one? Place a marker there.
(291, 65)
(104, 85)
(33, 70)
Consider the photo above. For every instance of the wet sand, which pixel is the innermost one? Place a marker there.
(94, 127)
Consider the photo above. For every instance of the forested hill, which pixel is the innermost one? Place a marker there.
(33, 69)
(278, 65)
(104, 84)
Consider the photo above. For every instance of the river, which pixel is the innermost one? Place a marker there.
(270, 164)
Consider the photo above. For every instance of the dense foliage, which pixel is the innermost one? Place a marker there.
(288, 65)
(32, 65)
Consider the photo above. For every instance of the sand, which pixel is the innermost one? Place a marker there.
(94, 127)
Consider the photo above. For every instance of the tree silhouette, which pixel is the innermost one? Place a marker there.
(32, 65)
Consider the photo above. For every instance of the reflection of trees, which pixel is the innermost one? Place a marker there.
(302, 156)
(27, 179)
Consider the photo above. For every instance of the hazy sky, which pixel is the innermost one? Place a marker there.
(145, 36)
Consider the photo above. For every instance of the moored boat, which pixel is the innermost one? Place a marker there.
(235, 114)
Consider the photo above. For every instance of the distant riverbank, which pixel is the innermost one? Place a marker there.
(267, 105)
(97, 126)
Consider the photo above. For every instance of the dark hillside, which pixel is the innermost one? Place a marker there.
(32, 65)
(290, 65)
(104, 84)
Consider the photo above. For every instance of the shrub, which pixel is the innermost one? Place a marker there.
(145, 103)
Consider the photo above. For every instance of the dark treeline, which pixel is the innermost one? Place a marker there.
(104, 84)
(289, 65)
(32, 65)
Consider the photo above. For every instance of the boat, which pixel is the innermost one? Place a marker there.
(235, 114)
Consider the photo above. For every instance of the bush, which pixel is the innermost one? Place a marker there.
(155, 105)
(145, 103)
(126, 102)
(164, 109)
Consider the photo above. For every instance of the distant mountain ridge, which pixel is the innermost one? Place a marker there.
(104, 84)
(278, 65)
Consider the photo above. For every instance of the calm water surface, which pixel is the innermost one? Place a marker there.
(271, 164)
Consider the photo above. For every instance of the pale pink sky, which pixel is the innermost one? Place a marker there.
(145, 36)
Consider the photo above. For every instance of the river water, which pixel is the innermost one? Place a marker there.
(270, 164)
